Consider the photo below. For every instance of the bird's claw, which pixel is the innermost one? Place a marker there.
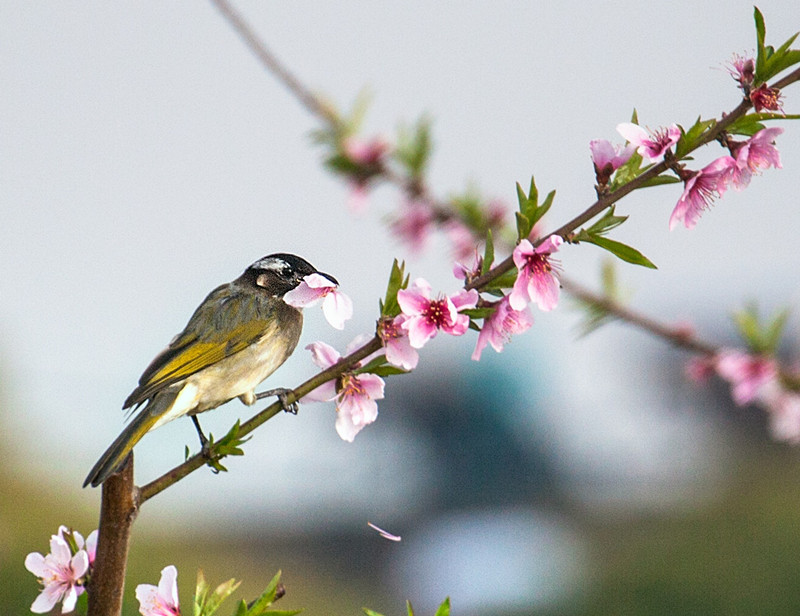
(282, 393)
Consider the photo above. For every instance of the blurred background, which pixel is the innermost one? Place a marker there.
(146, 157)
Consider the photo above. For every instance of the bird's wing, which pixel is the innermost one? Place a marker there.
(227, 322)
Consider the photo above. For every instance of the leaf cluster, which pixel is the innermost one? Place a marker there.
(397, 280)
(771, 61)
(228, 445)
(530, 210)
(414, 146)
(442, 610)
(762, 338)
(207, 602)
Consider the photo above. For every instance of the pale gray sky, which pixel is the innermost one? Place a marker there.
(146, 157)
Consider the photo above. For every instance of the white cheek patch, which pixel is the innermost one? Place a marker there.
(273, 264)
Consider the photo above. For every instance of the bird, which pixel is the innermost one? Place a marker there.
(238, 336)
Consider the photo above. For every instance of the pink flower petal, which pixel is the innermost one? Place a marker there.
(419, 331)
(337, 308)
(323, 355)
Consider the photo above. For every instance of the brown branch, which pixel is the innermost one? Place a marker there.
(160, 484)
(118, 509)
(311, 102)
(676, 336)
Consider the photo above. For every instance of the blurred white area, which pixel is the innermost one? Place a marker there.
(146, 157)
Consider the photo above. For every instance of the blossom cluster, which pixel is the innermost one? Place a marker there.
(701, 187)
(422, 315)
(755, 379)
(64, 571)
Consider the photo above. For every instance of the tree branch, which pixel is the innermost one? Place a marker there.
(118, 509)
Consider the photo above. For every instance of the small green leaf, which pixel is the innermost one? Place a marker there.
(660, 180)
(761, 338)
(397, 280)
(444, 608)
(488, 253)
(620, 250)
(689, 139)
(606, 223)
(524, 226)
(414, 147)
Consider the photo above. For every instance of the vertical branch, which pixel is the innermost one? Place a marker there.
(118, 509)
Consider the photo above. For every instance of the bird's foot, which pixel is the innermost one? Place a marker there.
(282, 394)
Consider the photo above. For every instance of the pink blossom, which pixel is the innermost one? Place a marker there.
(536, 281)
(767, 98)
(355, 394)
(161, 600)
(60, 572)
(607, 158)
(746, 373)
(414, 225)
(743, 70)
(91, 546)
(426, 316)
(783, 408)
(758, 152)
(397, 345)
(498, 328)
(651, 146)
(700, 189)
(336, 306)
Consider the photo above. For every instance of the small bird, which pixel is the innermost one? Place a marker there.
(241, 333)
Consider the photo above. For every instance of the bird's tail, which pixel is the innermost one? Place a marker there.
(115, 455)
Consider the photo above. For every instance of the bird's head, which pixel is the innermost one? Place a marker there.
(281, 272)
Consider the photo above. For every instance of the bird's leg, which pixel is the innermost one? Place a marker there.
(204, 445)
(283, 396)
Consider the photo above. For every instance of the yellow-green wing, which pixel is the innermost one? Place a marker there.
(228, 321)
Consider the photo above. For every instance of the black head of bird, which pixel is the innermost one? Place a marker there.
(239, 335)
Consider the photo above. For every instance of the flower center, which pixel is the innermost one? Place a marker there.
(351, 386)
(538, 264)
(437, 313)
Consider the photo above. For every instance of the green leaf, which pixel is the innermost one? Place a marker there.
(761, 33)
(530, 211)
(628, 172)
(543, 208)
(414, 147)
(760, 338)
(618, 249)
(397, 280)
(260, 607)
(200, 593)
(606, 223)
(444, 608)
(661, 179)
(524, 226)
(689, 139)
(488, 253)
(771, 61)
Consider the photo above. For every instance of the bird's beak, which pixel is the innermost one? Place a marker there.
(329, 277)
